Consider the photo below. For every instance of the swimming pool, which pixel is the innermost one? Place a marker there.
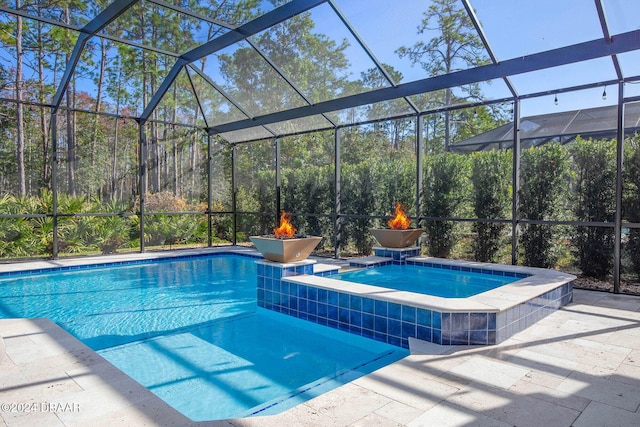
(189, 329)
(427, 280)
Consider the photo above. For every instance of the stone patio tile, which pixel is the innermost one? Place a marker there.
(99, 403)
(448, 415)
(582, 354)
(31, 419)
(549, 364)
(490, 372)
(633, 358)
(434, 365)
(301, 415)
(601, 390)
(627, 374)
(147, 413)
(550, 395)
(512, 408)
(543, 379)
(347, 404)
(626, 338)
(416, 391)
(399, 412)
(598, 414)
(623, 304)
(375, 420)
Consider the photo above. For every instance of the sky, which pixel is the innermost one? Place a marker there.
(514, 28)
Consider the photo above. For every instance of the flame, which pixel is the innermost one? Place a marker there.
(286, 229)
(400, 221)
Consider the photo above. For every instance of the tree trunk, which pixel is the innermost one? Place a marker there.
(174, 142)
(22, 182)
(71, 145)
(103, 66)
(44, 126)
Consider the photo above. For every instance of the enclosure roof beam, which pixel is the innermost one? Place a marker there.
(369, 53)
(607, 35)
(598, 48)
(485, 42)
(104, 18)
(269, 19)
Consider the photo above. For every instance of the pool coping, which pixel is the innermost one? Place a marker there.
(97, 261)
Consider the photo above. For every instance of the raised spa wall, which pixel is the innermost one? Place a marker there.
(301, 290)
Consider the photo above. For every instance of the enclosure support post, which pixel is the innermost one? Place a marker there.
(209, 191)
(54, 181)
(619, 163)
(143, 178)
(337, 229)
(515, 181)
(278, 182)
(234, 207)
(419, 160)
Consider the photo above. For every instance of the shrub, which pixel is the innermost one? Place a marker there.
(595, 167)
(446, 193)
(543, 195)
(491, 178)
(631, 199)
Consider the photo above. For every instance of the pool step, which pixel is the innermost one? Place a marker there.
(325, 269)
(371, 261)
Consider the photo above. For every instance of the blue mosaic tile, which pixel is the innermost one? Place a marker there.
(312, 294)
(478, 321)
(446, 322)
(423, 317)
(293, 289)
(458, 338)
(323, 296)
(355, 318)
(459, 322)
(323, 310)
(368, 321)
(333, 298)
(437, 336)
(394, 311)
(312, 307)
(284, 287)
(491, 321)
(332, 312)
(436, 320)
(478, 337)
(396, 341)
(356, 302)
(423, 333)
(343, 300)
(394, 327)
(381, 308)
(380, 324)
(408, 313)
(355, 329)
(408, 330)
(343, 315)
(368, 305)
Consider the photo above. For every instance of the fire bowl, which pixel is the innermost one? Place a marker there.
(396, 238)
(285, 250)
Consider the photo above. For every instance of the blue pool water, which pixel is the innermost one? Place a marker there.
(190, 331)
(427, 280)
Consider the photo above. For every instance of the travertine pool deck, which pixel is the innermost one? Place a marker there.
(579, 366)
